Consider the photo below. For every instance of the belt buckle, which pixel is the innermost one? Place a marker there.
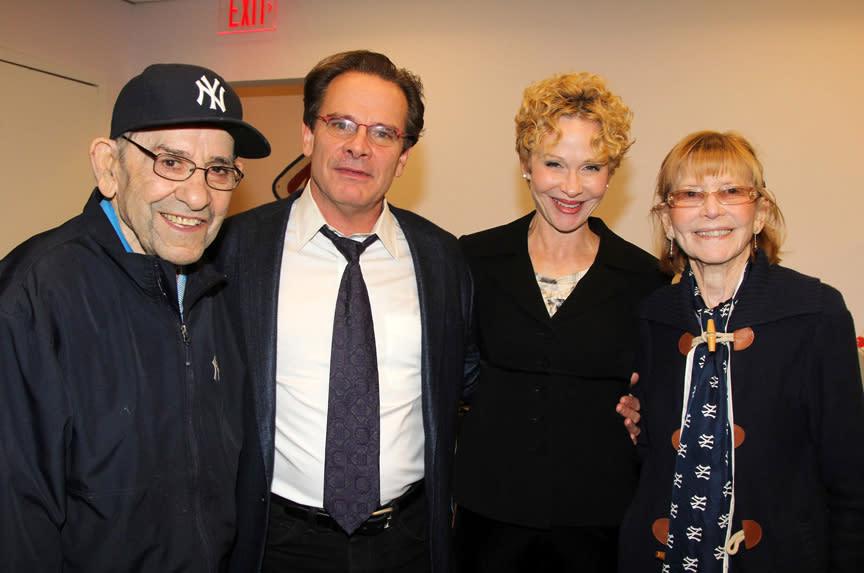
(386, 514)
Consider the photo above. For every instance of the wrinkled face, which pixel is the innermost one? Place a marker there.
(714, 234)
(173, 220)
(566, 181)
(351, 176)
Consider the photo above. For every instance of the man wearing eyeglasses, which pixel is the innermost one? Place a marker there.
(349, 464)
(120, 416)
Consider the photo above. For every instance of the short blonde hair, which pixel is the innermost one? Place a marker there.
(581, 95)
(711, 153)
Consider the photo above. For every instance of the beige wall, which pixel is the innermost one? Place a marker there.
(788, 75)
(46, 171)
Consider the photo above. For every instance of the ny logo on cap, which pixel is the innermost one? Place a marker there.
(205, 87)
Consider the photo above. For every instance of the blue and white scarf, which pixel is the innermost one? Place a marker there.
(703, 485)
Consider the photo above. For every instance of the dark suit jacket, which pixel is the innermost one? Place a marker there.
(542, 444)
(250, 253)
(796, 393)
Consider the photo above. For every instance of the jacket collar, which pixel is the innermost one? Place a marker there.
(154, 276)
(769, 293)
(511, 239)
(516, 274)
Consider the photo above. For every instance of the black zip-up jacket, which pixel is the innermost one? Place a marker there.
(119, 421)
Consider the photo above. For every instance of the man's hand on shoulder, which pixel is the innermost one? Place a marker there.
(628, 407)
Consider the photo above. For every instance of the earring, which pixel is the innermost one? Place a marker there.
(755, 243)
(671, 249)
(526, 177)
(607, 186)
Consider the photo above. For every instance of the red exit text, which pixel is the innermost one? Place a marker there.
(237, 16)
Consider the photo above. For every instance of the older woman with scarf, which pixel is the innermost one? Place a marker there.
(753, 414)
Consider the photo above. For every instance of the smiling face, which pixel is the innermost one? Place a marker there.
(567, 183)
(715, 237)
(173, 220)
(350, 177)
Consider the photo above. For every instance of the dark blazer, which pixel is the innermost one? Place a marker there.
(250, 253)
(797, 396)
(542, 444)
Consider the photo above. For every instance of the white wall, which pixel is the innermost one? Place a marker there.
(90, 40)
(49, 120)
(788, 75)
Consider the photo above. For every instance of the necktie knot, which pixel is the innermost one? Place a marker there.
(349, 248)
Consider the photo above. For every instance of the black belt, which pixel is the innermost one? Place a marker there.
(380, 519)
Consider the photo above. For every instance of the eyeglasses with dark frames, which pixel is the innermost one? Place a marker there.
(729, 195)
(345, 128)
(176, 168)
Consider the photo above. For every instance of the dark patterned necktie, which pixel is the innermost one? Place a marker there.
(351, 474)
(702, 485)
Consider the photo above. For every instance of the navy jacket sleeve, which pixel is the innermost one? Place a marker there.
(34, 416)
(837, 427)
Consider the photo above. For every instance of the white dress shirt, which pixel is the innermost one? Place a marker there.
(309, 281)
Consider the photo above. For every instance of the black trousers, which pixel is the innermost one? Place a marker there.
(485, 545)
(301, 544)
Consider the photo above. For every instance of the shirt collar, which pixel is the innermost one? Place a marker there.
(309, 220)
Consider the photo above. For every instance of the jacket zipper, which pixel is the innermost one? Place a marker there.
(192, 444)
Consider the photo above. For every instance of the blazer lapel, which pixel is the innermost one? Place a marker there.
(261, 271)
(602, 281)
(429, 276)
(516, 275)
(512, 270)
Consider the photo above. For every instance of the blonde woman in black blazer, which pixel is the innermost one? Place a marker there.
(544, 468)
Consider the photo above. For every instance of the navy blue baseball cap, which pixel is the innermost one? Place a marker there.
(166, 95)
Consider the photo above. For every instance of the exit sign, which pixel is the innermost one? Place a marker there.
(239, 16)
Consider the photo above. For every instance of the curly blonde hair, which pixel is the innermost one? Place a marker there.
(711, 153)
(581, 95)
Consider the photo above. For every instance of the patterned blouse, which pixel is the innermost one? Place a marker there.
(556, 291)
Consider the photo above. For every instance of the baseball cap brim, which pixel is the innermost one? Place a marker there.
(248, 141)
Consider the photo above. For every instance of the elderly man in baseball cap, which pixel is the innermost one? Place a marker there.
(120, 377)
